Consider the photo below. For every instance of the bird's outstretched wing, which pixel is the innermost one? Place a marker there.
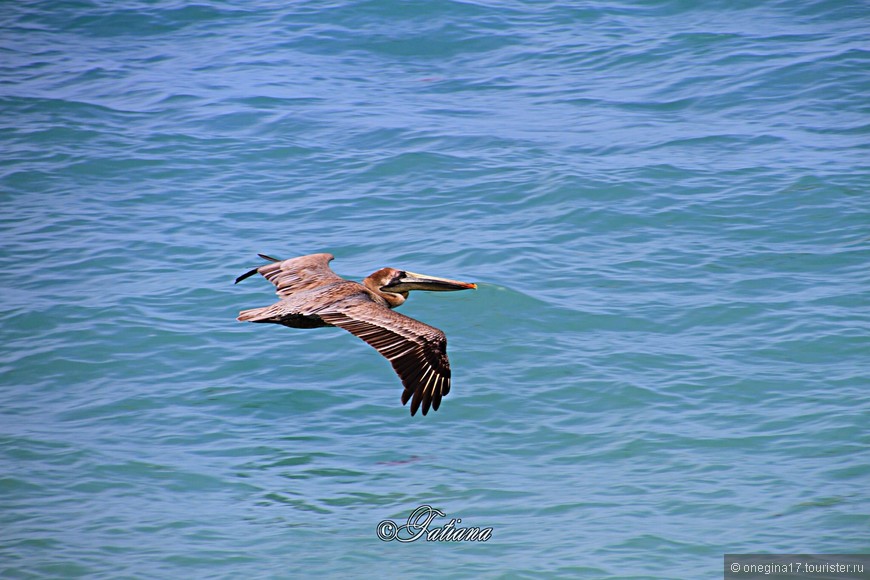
(417, 351)
(296, 274)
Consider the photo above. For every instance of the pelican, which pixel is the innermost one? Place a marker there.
(313, 296)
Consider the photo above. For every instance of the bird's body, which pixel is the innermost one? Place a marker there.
(313, 296)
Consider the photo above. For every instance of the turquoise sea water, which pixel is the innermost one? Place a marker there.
(665, 206)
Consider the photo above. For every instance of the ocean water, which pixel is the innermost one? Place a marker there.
(664, 204)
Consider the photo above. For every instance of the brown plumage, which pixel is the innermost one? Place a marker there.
(312, 296)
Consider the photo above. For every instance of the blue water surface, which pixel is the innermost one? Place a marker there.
(664, 205)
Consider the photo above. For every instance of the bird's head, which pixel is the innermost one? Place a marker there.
(393, 285)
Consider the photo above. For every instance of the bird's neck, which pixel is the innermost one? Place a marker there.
(393, 299)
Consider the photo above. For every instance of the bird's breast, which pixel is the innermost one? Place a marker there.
(303, 321)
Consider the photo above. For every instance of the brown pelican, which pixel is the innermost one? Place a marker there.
(312, 295)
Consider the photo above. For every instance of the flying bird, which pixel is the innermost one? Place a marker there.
(313, 296)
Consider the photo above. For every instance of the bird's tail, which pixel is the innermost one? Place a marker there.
(255, 315)
(264, 313)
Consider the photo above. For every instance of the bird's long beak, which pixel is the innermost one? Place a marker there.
(412, 281)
